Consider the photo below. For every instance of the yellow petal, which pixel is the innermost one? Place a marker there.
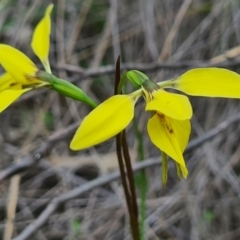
(18, 65)
(104, 122)
(9, 96)
(182, 130)
(170, 136)
(171, 104)
(209, 82)
(41, 38)
(7, 82)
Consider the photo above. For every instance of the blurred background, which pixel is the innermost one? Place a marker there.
(161, 38)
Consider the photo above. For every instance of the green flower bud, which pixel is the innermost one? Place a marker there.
(136, 77)
(66, 88)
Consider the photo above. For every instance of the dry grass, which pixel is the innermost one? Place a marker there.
(91, 34)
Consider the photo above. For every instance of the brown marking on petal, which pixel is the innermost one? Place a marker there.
(12, 84)
(148, 97)
(171, 131)
(162, 116)
(30, 78)
(150, 94)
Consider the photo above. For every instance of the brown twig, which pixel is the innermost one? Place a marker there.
(75, 193)
(130, 174)
(100, 181)
(34, 158)
(147, 67)
(54, 203)
(127, 179)
(167, 47)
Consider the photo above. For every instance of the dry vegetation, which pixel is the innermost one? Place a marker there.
(165, 37)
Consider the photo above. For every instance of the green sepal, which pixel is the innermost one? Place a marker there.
(66, 88)
(136, 77)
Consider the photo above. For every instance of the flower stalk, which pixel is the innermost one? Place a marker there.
(141, 181)
(127, 176)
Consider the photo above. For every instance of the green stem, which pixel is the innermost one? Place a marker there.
(141, 181)
(164, 168)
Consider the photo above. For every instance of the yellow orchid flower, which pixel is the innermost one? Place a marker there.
(113, 115)
(23, 75)
(21, 72)
(170, 120)
(169, 127)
